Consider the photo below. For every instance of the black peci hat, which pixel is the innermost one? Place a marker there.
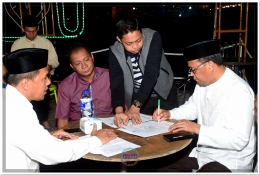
(25, 60)
(201, 49)
(30, 21)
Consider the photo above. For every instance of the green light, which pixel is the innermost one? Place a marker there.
(57, 9)
(59, 37)
(64, 21)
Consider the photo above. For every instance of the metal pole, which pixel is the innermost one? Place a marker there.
(45, 20)
(52, 19)
(42, 20)
(219, 20)
(215, 22)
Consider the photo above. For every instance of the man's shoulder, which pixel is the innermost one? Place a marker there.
(69, 79)
(19, 40)
(42, 39)
(102, 71)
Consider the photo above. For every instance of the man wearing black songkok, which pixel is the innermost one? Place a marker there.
(223, 105)
(26, 142)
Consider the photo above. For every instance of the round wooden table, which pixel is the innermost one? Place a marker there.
(151, 147)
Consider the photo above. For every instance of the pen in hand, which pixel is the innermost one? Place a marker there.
(158, 110)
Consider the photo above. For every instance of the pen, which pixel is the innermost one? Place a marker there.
(158, 109)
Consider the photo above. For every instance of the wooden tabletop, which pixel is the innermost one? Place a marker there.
(151, 147)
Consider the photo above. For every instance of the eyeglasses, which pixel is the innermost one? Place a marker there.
(194, 70)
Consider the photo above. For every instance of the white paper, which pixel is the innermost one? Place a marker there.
(146, 129)
(110, 120)
(114, 147)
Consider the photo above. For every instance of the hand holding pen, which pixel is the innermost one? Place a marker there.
(161, 116)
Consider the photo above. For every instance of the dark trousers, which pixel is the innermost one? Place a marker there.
(187, 164)
(152, 102)
(42, 108)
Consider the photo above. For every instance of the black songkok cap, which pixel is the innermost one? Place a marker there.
(201, 49)
(30, 21)
(25, 60)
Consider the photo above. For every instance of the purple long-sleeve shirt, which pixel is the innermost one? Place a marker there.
(69, 93)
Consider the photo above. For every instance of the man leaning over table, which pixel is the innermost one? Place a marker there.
(223, 104)
(27, 142)
(85, 75)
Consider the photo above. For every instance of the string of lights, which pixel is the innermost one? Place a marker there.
(12, 38)
(58, 17)
(64, 21)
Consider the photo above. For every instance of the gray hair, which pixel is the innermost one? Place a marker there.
(14, 79)
(216, 58)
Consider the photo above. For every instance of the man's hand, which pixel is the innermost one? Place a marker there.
(164, 115)
(134, 115)
(61, 133)
(185, 125)
(105, 135)
(121, 118)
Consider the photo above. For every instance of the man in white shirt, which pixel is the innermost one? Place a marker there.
(223, 105)
(26, 142)
(31, 40)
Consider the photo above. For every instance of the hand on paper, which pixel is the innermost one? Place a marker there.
(121, 118)
(164, 115)
(105, 135)
(134, 114)
(185, 125)
(61, 133)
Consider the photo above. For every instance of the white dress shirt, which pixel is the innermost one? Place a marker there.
(28, 143)
(225, 111)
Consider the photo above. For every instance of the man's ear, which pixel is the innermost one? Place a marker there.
(118, 39)
(25, 83)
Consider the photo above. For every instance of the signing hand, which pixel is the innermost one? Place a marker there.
(185, 125)
(134, 115)
(164, 115)
(105, 135)
(61, 133)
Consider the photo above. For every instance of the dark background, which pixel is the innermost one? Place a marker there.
(177, 31)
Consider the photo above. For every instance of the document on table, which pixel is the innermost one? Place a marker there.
(146, 129)
(110, 120)
(114, 147)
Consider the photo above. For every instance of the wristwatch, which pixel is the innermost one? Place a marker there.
(137, 104)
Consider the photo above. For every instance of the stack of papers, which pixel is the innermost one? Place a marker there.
(110, 120)
(147, 129)
(114, 147)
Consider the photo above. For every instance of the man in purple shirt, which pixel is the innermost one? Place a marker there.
(85, 75)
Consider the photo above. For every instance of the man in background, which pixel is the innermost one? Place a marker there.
(31, 40)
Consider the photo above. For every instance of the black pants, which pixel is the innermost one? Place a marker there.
(42, 107)
(187, 164)
(152, 102)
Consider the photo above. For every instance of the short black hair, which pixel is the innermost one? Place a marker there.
(30, 21)
(75, 48)
(126, 25)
